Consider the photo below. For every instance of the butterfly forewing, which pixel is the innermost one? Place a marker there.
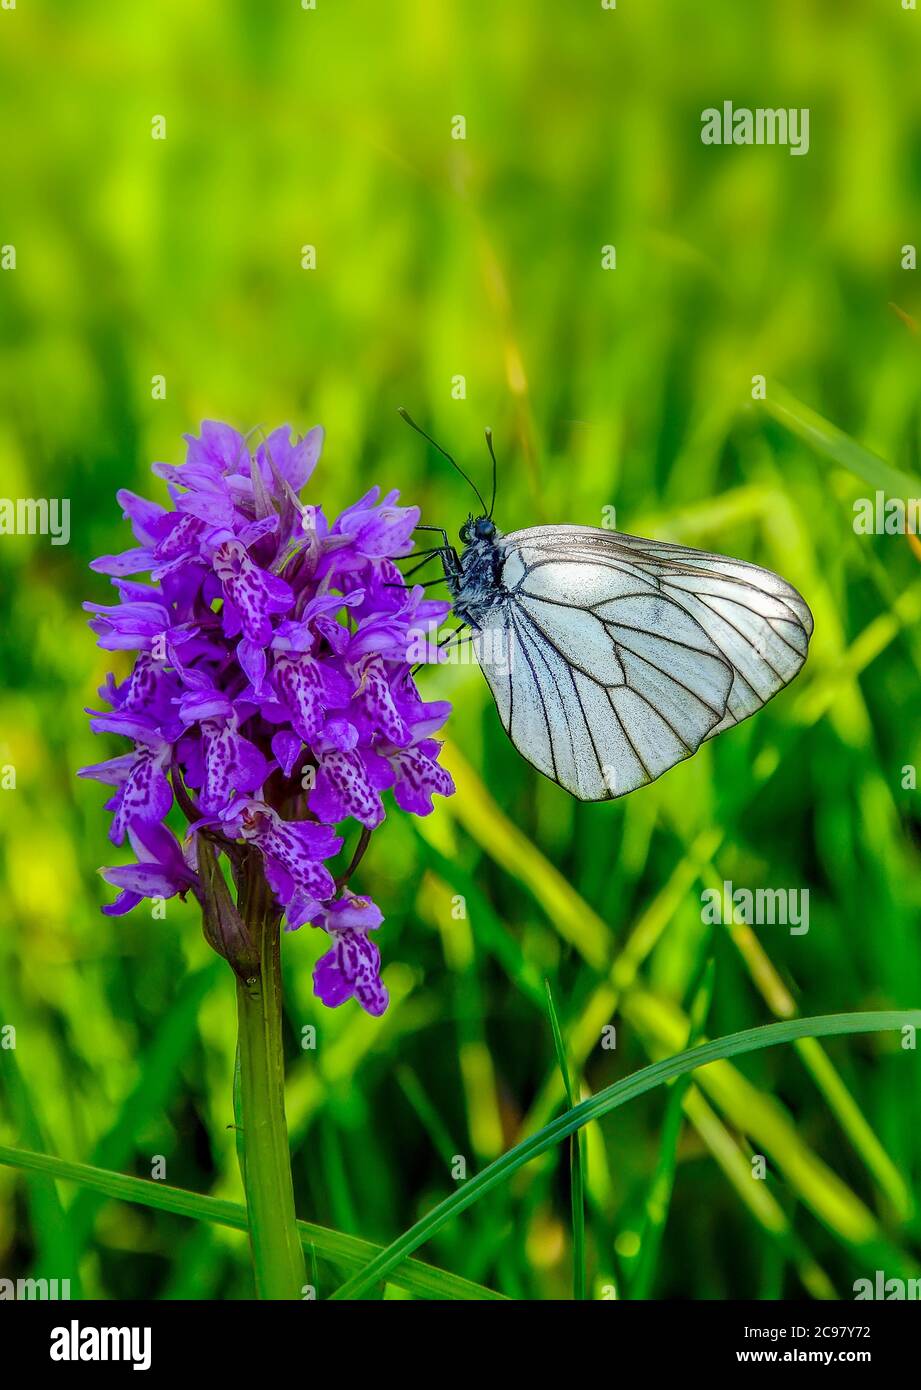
(611, 658)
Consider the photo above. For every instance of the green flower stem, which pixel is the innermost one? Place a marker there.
(278, 1258)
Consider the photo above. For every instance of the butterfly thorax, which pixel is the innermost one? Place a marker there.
(475, 580)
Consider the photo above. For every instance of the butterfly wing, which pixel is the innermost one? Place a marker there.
(613, 658)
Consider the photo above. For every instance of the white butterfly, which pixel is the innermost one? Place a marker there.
(610, 657)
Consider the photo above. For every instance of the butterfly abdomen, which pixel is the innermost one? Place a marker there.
(477, 588)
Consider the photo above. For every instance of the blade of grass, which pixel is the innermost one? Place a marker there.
(157, 1078)
(662, 1027)
(427, 1114)
(835, 445)
(720, 1050)
(840, 1101)
(622, 974)
(658, 1199)
(576, 1176)
(489, 827)
(56, 1250)
(856, 1126)
(763, 1206)
(816, 698)
(490, 932)
(423, 1280)
(478, 1078)
(311, 1079)
(764, 1119)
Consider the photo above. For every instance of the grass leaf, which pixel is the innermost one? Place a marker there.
(576, 1173)
(736, 1044)
(837, 446)
(423, 1280)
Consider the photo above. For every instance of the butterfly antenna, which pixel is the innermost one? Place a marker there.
(492, 455)
(453, 462)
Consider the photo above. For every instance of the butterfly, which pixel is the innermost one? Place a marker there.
(611, 658)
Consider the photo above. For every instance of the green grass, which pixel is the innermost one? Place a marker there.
(576, 1159)
(628, 388)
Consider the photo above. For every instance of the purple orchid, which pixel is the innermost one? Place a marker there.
(271, 697)
(162, 870)
(352, 968)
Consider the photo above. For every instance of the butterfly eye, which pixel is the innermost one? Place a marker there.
(485, 529)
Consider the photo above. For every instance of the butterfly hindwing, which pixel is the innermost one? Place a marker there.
(612, 658)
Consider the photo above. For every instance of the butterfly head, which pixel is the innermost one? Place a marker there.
(479, 528)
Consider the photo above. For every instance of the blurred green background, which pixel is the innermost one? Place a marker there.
(480, 259)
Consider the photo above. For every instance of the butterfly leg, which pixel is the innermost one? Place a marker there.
(446, 641)
(461, 641)
(429, 556)
(445, 553)
(439, 531)
(449, 555)
(443, 642)
(413, 568)
(421, 584)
